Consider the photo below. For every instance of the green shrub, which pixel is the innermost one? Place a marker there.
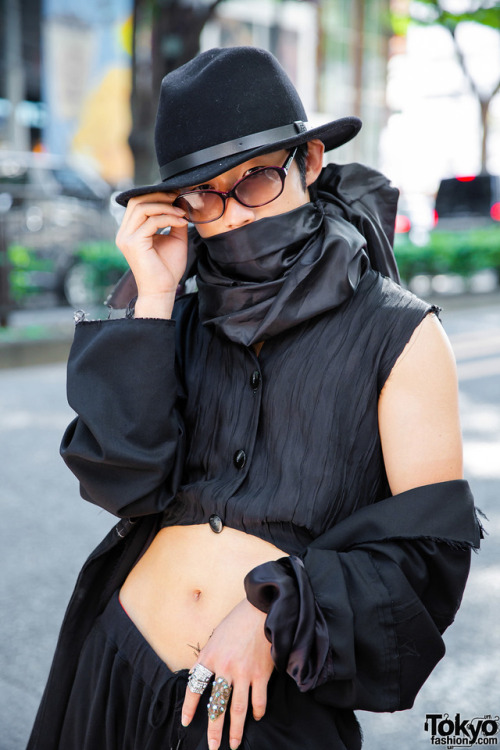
(32, 274)
(97, 268)
(463, 253)
(103, 255)
(26, 272)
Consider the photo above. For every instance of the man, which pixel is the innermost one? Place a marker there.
(296, 531)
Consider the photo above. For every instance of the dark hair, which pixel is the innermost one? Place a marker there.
(301, 162)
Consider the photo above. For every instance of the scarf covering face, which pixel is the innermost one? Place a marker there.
(270, 268)
(267, 276)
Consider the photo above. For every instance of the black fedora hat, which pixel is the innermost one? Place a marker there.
(227, 106)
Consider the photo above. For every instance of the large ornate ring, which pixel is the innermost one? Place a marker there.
(199, 678)
(221, 691)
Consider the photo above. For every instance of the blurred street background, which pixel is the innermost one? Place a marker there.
(78, 93)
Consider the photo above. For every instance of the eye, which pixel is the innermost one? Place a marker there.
(252, 170)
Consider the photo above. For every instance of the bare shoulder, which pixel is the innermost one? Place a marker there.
(428, 347)
(418, 412)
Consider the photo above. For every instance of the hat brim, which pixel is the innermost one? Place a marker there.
(333, 135)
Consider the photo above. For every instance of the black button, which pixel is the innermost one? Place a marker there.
(255, 380)
(216, 523)
(240, 459)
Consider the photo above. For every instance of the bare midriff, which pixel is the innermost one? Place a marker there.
(186, 582)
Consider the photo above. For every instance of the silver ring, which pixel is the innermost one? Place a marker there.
(199, 678)
(221, 692)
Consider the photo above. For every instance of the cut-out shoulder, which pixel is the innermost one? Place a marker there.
(418, 412)
(431, 321)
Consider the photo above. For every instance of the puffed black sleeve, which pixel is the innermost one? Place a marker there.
(126, 444)
(358, 618)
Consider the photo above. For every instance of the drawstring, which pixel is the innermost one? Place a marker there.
(163, 705)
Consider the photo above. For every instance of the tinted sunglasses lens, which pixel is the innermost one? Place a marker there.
(201, 206)
(261, 187)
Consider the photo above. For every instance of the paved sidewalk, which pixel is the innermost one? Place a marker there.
(36, 337)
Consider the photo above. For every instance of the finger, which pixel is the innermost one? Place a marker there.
(199, 679)
(189, 707)
(164, 212)
(238, 712)
(137, 211)
(163, 196)
(150, 209)
(214, 734)
(153, 223)
(179, 233)
(136, 203)
(128, 237)
(217, 705)
(259, 699)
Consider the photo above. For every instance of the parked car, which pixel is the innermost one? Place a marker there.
(468, 202)
(403, 223)
(413, 219)
(52, 210)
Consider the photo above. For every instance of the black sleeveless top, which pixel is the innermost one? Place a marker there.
(286, 445)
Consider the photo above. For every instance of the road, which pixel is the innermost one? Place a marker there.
(47, 531)
(467, 680)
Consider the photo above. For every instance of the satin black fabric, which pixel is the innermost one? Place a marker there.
(368, 202)
(417, 544)
(295, 625)
(268, 276)
(358, 194)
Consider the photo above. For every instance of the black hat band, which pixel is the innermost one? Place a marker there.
(222, 150)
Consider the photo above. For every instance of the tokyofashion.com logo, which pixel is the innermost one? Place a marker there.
(458, 732)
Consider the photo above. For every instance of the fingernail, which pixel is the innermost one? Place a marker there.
(234, 744)
(185, 720)
(213, 745)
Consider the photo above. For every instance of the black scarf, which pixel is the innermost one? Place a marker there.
(267, 276)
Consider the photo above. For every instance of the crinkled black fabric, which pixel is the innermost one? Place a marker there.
(399, 564)
(172, 444)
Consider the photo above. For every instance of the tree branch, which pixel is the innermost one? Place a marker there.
(461, 59)
(495, 90)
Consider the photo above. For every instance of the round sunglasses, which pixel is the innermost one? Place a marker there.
(262, 186)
